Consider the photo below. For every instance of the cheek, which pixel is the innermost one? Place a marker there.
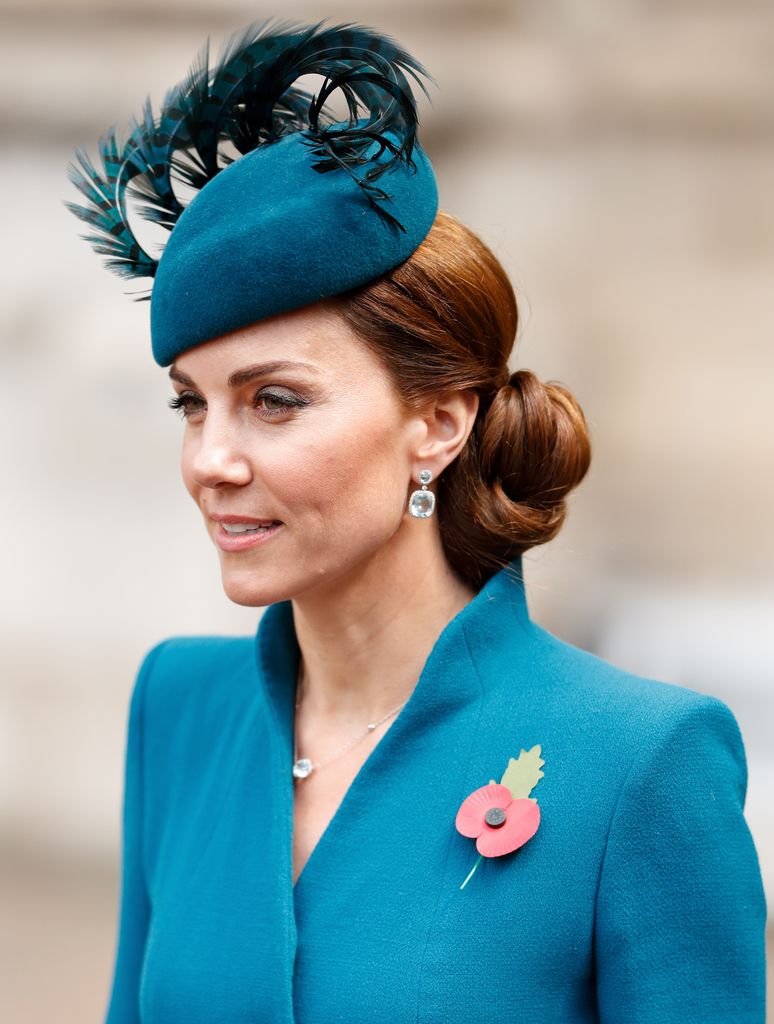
(350, 479)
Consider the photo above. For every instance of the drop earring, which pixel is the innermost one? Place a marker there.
(422, 502)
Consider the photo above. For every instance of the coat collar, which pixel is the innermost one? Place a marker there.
(475, 631)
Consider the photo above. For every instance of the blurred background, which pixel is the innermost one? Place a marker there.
(618, 156)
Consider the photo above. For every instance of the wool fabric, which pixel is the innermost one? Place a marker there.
(639, 899)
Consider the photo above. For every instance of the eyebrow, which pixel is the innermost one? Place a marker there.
(240, 377)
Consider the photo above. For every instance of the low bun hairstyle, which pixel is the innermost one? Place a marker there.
(446, 319)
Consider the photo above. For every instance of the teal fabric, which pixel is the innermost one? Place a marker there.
(269, 234)
(638, 901)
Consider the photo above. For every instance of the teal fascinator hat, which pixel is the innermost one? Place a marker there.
(308, 208)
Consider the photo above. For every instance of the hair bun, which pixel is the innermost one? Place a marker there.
(532, 448)
(535, 443)
(516, 378)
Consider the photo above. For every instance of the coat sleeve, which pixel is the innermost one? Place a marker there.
(123, 1007)
(681, 912)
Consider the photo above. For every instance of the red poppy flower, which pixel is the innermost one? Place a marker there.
(497, 822)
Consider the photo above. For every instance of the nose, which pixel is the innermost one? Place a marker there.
(218, 457)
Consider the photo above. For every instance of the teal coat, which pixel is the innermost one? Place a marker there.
(638, 900)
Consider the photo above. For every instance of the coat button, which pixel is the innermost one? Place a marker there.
(495, 817)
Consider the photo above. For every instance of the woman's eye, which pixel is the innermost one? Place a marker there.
(281, 403)
(183, 403)
(187, 403)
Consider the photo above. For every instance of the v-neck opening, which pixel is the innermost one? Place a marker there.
(376, 754)
(336, 814)
(435, 695)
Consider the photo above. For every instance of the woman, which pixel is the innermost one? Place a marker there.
(402, 800)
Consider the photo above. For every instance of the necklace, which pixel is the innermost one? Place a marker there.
(303, 766)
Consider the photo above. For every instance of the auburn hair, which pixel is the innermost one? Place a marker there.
(445, 319)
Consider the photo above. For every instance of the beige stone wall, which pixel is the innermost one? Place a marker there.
(618, 155)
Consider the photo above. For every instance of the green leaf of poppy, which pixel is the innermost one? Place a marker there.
(523, 773)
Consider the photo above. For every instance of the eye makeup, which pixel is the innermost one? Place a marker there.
(187, 403)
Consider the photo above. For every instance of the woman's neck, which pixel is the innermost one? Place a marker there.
(365, 638)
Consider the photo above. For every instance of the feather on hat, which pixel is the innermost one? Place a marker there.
(272, 229)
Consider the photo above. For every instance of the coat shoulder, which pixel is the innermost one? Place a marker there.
(197, 675)
(589, 677)
(598, 702)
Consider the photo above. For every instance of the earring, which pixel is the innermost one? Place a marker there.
(422, 503)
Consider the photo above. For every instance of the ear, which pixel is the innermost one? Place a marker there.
(448, 420)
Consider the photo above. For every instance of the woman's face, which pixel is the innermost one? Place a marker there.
(294, 419)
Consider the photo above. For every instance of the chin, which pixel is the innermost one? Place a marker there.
(250, 591)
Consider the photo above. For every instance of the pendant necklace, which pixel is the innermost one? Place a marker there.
(303, 766)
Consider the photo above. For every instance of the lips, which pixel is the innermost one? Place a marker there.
(245, 539)
(251, 520)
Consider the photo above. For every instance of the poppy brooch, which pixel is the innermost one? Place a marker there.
(502, 816)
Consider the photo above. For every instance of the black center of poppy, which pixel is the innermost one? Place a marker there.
(495, 817)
